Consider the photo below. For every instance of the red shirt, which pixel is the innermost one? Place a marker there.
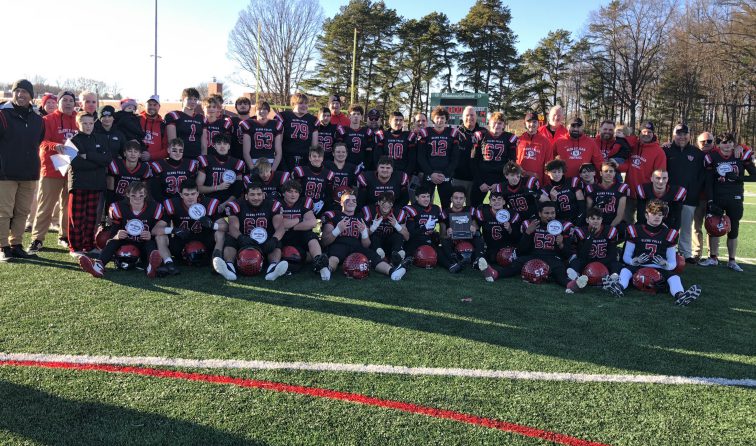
(576, 152)
(644, 160)
(340, 119)
(561, 132)
(155, 137)
(58, 128)
(533, 152)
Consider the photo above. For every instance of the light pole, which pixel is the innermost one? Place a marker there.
(155, 55)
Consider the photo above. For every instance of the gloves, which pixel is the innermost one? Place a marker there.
(714, 209)
(376, 223)
(430, 224)
(661, 261)
(181, 233)
(641, 259)
(206, 222)
(318, 206)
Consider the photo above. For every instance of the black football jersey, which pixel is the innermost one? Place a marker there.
(170, 174)
(177, 213)
(371, 213)
(719, 186)
(121, 213)
(493, 152)
(522, 198)
(272, 187)
(297, 210)
(544, 243)
(237, 140)
(123, 176)
(251, 217)
(400, 146)
(599, 246)
(328, 135)
(188, 129)
(297, 133)
(493, 231)
(673, 197)
(567, 202)
(316, 183)
(351, 233)
(358, 143)
(262, 136)
(418, 216)
(372, 187)
(214, 166)
(607, 199)
(221, 125)
(344, 178)
(438, 151)
(651, 241)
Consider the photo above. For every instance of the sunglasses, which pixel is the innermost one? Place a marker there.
(706, 141)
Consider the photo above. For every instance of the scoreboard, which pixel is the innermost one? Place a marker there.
(455, 104)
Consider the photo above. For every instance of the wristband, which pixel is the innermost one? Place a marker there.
(215, 226)
(336, 232)
(168, 230)
(398, 227)
(365, 233)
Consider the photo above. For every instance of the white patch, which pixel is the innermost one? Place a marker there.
(373, 368)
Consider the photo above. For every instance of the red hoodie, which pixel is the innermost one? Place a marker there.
(533, 152)
(155, 138)
(644, 160)
(561, 132)
(58, 128)
(576, 152)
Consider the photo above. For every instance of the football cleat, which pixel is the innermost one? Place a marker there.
(456, 267)
(319, 262)
(576, 284)
(277, 270)
(481, 264)
(325, 273)
(381, 253)
(398, 272)
(572, 274)
(154, 262)
(396, 258)
(685, 298)
(490, 274)
(93, 267)
(63, 241)
(172, 268)
(221, 267)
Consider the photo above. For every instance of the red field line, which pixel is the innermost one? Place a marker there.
(490, 423)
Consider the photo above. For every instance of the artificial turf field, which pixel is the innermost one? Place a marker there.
(49, 306)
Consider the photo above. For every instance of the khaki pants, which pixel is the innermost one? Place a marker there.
(15, 202)
(686, 231)
(698, 232)
(53, 194)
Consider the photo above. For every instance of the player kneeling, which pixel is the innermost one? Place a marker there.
(422, 218)
(256, 222)
(595, 243)
(500, 226)
(195, 219)
(543, 238)
(345, 233)
(387, 231)
(298, 222)
(653, 245)
(136, 221)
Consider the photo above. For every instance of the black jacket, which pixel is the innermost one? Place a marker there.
(21, 132)
(129, 125)
(686, 168)
(115, 139)
(90, 173)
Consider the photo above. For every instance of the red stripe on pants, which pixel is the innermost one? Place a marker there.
(82, 219)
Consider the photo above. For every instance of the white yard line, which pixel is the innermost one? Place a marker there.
(375, 369)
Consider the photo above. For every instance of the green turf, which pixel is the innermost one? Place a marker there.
(51, 306)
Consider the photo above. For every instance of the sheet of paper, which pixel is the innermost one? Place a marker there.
(61, 163)
(70, 149)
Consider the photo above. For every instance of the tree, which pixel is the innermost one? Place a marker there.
(287, 42)
(552, 56)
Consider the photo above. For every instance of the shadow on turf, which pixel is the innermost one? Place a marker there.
(42, 417)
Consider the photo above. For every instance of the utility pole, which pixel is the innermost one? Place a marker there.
(155, 55)
(354, 65)
(257, 79)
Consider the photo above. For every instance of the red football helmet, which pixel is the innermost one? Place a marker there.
(293, 257)
(505, 256)
(647, 280)
(595, 272)
(680, 264)
(356, 266)
(127, 256)
(249, 262)
(717, 225)
(535, 271)
(463, 246)
(194, 253)
(102, 237)
(425, 257)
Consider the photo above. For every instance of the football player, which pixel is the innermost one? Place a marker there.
(188, 125)
(328, 132)
(262, 138)
(298, 223)
(123, 172)
(438, 154)
(316, 180)
(563, 191)
(459, 206)
(220, 175)
(216, 122)
(660, 189)
(271, 181)
(345, 232)
(344, 175)
(397, 144)
(195, 218)
(168, 174)
(653, 244)
(387, 230)
(521, 193)
(256, 222)
(359, 139)
(609, 197)
(596, 242)
(137, 221)
(243, 107)
(299, 131)
(499, 230)
(384, 179)
(493, 148)
(724, 192)
(422, 218)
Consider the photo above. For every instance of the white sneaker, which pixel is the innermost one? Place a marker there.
(278, 270)
(381, 253)
(582, 281)
(482, 264)
(220, 267)
(77, 254)
(398, 273)
(325, 274)
(572, 274)
(734, 266)
(709, 261)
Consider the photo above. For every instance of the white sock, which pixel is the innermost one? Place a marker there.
(625, 276)
(675, 285)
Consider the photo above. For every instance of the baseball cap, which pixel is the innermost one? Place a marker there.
(374, 114)
(577, 121)
(530, 116)
(681, 127)
(648, 125)
(155, 98)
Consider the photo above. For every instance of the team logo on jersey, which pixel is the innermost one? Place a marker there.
(530, 154)
(576, 153)
(691, 157)
(148, 138)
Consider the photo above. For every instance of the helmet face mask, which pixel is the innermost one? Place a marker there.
(127, 257)
(194, 253)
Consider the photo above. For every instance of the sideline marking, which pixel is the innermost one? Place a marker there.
(375, 368)
(319, 392)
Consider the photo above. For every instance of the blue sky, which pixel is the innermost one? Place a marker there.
(193, 36)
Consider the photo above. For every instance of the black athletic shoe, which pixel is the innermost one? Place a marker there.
(18, 252)
(5, 254)
(456, 267)
(172, 269)
(319, 262)
(35, 247)
(687, 297)
(396, 258)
